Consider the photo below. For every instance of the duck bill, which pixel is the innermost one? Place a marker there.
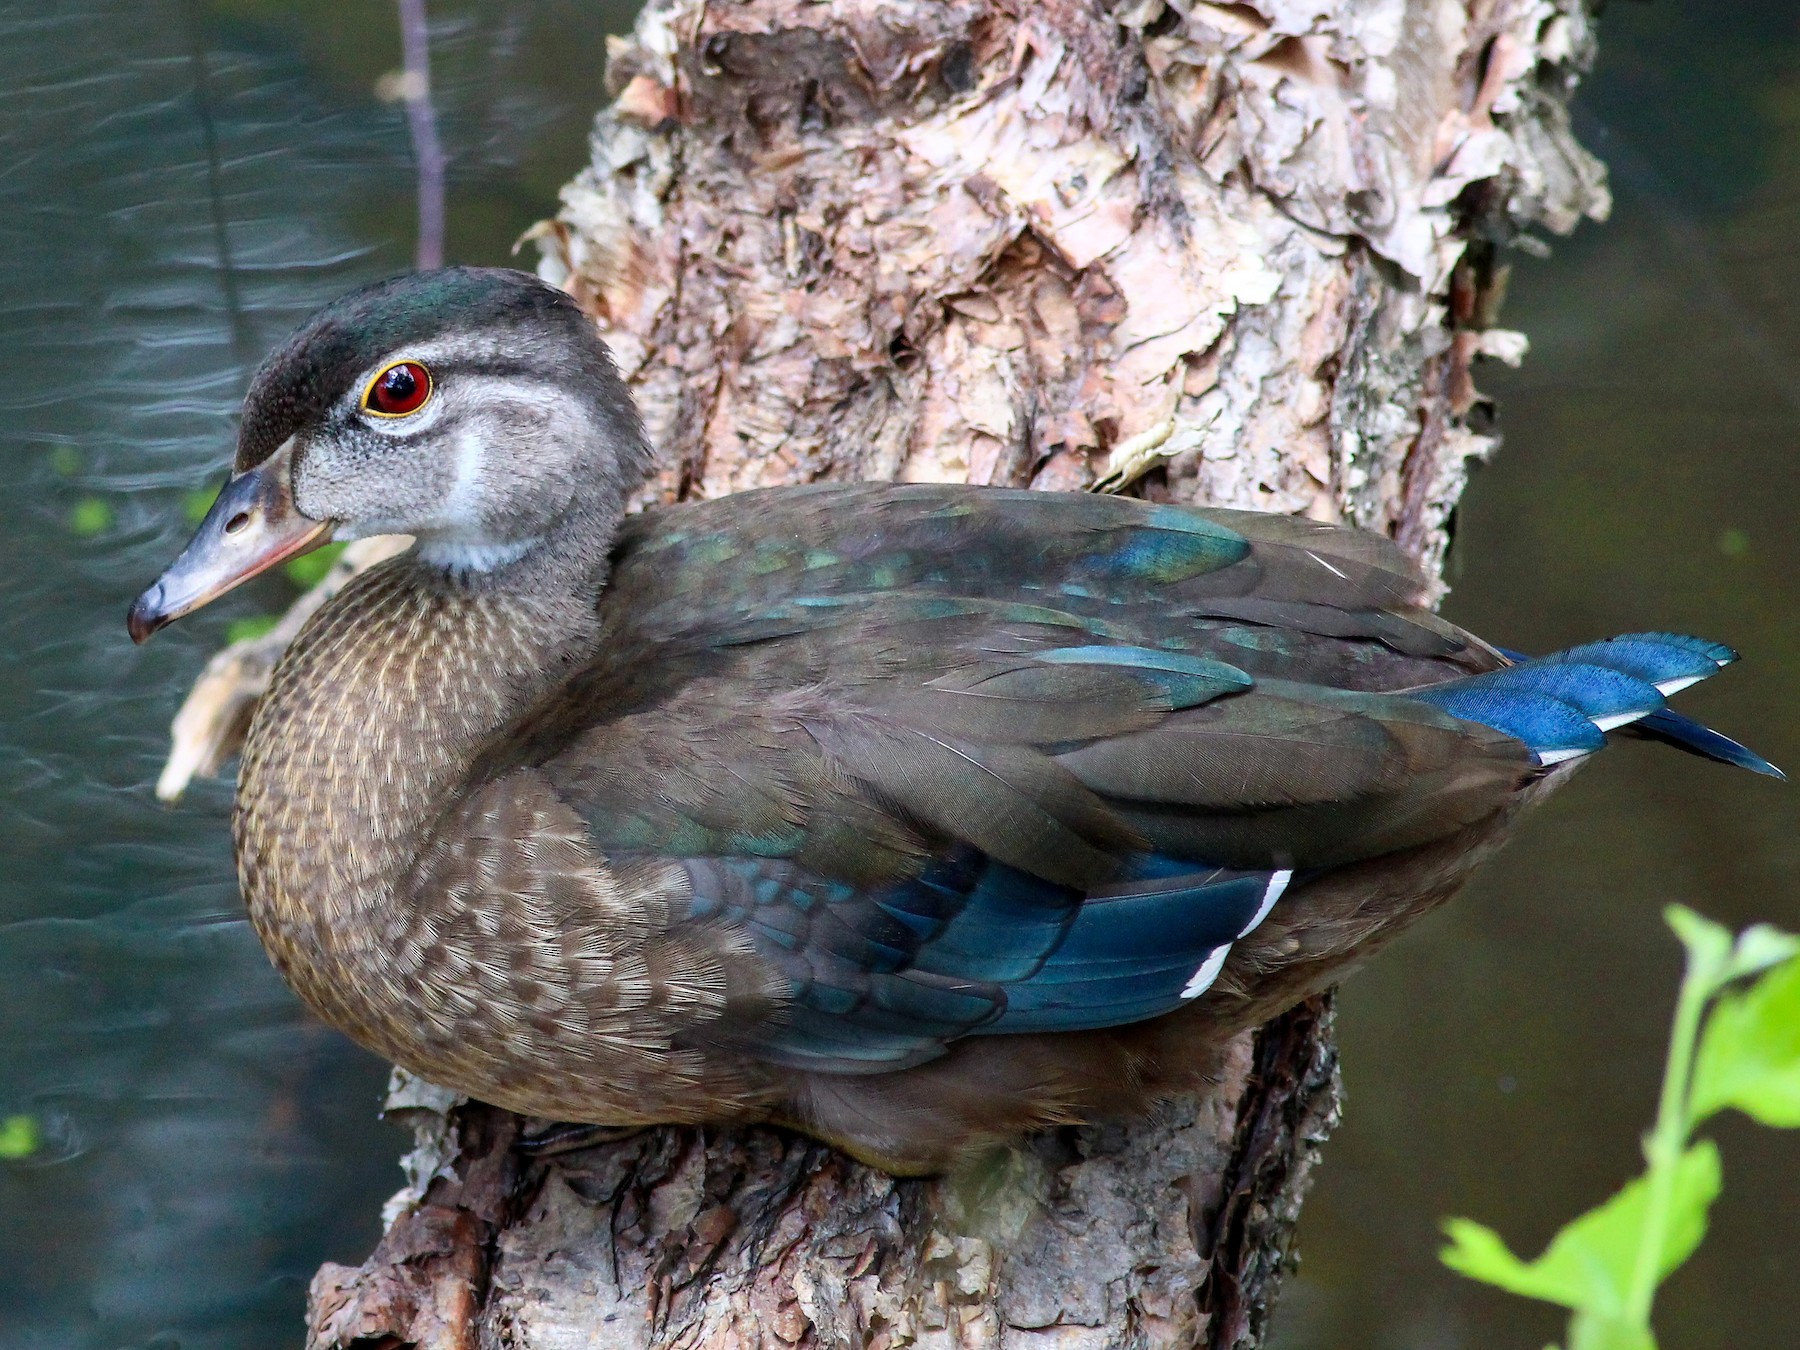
(253, 526)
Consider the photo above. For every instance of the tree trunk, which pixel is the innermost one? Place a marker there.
(1235, 253)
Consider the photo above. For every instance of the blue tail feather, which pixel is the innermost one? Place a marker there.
(1684, 733)
(1562, 704)
(1670, 661)
(1554, 730)
(1602, 695)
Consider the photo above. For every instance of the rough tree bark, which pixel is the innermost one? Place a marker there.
(1241, 253)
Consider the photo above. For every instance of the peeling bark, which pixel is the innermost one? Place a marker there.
(1168, 1232)
(1240, 253)
(427, 1281)
(1072, 244)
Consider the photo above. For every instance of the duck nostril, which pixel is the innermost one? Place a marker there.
(236, 524)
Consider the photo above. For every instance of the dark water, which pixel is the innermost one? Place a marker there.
(1503, 1058)
(203, 1146)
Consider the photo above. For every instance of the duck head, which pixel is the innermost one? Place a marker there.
(474, 408)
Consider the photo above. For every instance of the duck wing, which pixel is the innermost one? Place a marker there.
(947, 761)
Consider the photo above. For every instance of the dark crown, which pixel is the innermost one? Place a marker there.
(313, 369)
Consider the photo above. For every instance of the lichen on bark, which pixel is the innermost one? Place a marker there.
(1243, 253)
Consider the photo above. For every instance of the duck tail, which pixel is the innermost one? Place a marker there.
(1684, 733)
(1562, 705)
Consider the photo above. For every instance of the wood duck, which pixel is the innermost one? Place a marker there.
(913, 817)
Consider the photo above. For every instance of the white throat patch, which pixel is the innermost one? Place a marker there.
(463, 556)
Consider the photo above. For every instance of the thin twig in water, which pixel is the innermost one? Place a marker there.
(421, 120)
(209, 136)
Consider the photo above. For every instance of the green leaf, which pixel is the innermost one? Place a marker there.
(1759, 947)
(1591, 1331)
(1708, 944)
(90, 516)
(309, 569)
(248, 630)
(20, 1137)
(1588, 1264)
(1750, 1052)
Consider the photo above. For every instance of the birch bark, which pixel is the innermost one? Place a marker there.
(1242, 253)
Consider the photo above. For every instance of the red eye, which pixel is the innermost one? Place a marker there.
(400, 389)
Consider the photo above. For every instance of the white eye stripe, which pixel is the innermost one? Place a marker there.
(466, 383)
(464, 392)
(400, 426)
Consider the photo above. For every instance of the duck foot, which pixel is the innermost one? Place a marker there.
(548, 1138)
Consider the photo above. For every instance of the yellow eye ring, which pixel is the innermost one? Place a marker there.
(398, 390)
